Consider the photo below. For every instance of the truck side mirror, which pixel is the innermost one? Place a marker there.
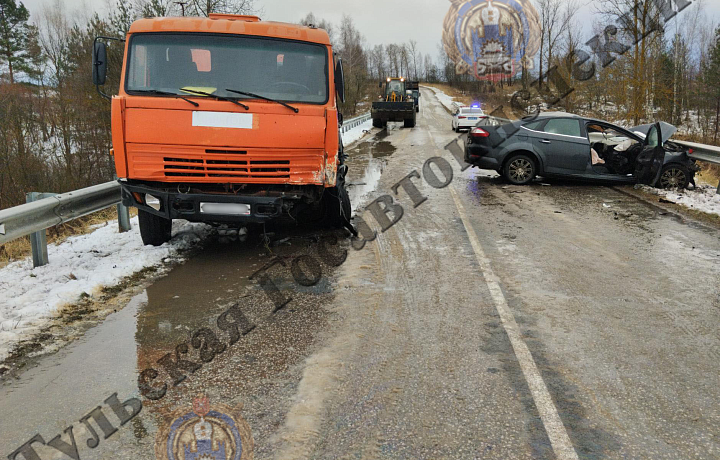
(340, 80)
(99, 69)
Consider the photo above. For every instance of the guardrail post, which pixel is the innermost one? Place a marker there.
(38, 240)
(123, 218)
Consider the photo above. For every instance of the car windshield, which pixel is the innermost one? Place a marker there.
(276, 69)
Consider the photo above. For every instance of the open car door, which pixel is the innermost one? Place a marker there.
(650, 160)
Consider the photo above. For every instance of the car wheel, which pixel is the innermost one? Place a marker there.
(674, 176)
(520, 170)
(154, 230)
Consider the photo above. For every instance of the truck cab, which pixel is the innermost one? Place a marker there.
(227, 119)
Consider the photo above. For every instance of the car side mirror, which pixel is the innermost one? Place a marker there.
(99, 69)
(340, 81)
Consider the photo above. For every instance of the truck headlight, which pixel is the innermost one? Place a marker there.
(153, 202)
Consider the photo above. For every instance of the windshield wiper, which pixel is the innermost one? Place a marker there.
(166, 93)
(221, 98)
(245, 93)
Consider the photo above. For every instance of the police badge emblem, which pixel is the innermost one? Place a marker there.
(491, 39)
(207, 432)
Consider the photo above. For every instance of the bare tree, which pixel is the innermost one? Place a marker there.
(207, 7)
(413, 56)
(555, 18)
(312, 20)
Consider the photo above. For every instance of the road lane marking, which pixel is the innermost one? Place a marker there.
(554, 427)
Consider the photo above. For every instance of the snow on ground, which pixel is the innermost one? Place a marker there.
(704, 198)
(356, 133)
(447, 101)
(81, 264)
(86, 263)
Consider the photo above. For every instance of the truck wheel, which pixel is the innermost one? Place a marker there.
(417, 109)
(410, 123)
(154, 230)
(377, 123)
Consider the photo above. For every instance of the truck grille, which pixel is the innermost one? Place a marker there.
(184, 167)
(170, 163)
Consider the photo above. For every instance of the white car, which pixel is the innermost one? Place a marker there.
(467, 117)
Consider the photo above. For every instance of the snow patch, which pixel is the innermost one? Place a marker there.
(81, 264)
(356, 133)
(447, 101)
(704, 198)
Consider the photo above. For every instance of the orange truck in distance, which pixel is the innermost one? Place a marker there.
(227, 120)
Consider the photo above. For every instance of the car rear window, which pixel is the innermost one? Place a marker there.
(563, 126)
(471, 111)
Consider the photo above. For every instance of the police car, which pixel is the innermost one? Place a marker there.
(467, 117)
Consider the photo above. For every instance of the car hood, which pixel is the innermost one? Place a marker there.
(666, 128)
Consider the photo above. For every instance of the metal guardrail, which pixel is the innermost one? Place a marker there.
(353, 122)
(45, 210)
(702, 152)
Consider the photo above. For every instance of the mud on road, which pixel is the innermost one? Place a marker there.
(413, 347)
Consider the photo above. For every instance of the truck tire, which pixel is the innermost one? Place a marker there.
(378, 123)
(417, 109)
(154, 230)
(410, 122)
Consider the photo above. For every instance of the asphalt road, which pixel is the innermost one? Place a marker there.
(549, 321)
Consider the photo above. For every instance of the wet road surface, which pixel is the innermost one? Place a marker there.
(413, 347)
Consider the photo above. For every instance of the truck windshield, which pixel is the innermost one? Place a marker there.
(277, 69)
(396, 85)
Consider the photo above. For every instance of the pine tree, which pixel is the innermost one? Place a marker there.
(711, 79)
(14, 31)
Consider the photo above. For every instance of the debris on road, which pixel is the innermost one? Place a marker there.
(703, 198)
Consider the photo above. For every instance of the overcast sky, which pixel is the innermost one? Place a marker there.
(380, 21)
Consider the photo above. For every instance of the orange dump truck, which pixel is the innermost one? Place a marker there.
(227, 120)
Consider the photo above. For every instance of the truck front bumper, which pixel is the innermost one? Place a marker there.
(202, 207)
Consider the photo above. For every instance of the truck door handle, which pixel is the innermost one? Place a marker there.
(545, 141)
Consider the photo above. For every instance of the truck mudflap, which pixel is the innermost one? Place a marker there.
(202, 207)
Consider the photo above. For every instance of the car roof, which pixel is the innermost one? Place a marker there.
(544, 115)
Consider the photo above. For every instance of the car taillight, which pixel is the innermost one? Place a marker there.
(461, 118)
(690, 150)
(479, 132)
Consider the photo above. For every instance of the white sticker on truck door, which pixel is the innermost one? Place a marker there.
(223, 120)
